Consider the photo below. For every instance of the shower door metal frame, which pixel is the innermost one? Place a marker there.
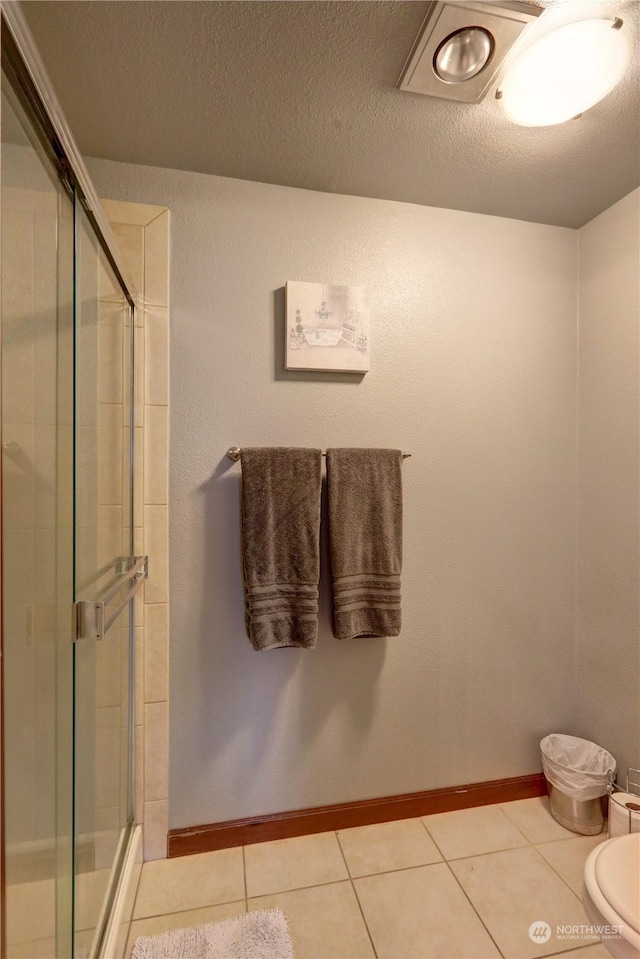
(27, 75)
(24, 67)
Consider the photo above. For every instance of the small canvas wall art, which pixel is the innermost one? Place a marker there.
(327, 327)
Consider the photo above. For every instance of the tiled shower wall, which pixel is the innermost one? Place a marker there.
(143, 235)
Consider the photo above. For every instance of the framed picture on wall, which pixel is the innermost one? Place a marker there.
(327, 327)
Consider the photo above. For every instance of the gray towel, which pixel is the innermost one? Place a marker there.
(365, 532)
(281, 545)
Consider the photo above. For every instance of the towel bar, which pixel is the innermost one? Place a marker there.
(90, 618)
(235, 453)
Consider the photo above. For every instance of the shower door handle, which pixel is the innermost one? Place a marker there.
(91, 619)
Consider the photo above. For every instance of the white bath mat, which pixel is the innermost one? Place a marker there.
(263, 934)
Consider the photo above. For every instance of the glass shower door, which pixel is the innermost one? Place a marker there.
(103, 566)
(37, 541)
(68, 573)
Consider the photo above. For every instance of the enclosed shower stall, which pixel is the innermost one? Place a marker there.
(69, 574)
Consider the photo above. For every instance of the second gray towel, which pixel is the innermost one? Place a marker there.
(281, 545)
(365, 530)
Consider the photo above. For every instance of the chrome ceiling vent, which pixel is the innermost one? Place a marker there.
(461, 47)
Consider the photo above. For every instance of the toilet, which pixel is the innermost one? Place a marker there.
(611, 893)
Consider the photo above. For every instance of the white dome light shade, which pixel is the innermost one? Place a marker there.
(565, 72)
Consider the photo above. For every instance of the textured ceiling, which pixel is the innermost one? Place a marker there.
(303, 94)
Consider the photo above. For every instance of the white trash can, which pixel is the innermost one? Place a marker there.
(579, 776)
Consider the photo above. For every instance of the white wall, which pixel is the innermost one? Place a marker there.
(609, 568)
(473, 372)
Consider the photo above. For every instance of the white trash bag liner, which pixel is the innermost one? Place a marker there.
(578, 768)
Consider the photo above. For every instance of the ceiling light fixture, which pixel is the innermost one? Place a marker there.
(565, 73)
(463, 54)
(462, 45)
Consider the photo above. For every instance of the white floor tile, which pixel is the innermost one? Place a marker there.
(568, 857)
(387, 846)
(599, 951)
(325, 921)
(533, 819)
(514, 890)
(471, 832)
(293, 863)
(422, 914)
(190, 882)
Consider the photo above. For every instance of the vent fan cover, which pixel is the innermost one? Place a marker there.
(462, 46)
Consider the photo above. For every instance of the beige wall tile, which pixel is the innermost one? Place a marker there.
(138, 477)
(139, 674)
(136, 214)
(130, 240)
(156, 325)
(142, 232)
(110, 537)
(156, 751)
(156, 261)
(30, 910)
(156, 546)
(110, 353)
(110, 445)
(108, 669)
(138, 608)
(107, 756)
(19, 575)
(53, 356)
(156, 466)
(156, 672)
(156, 826)
(18, 387)
(42, 948)
(139, 767)
(138, 540)
(139, 377)
(20, 505)
(49, 464)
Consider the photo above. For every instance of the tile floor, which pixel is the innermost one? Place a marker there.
(464, 884)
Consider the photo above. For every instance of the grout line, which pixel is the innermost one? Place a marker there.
(355, 893)
(476, 855)
(589, 945)
(135, 898)
(481, 920)
(178, 912)
(553, 868)
(153, 219)
(283, 892)
(434, 842)
(244, 876)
